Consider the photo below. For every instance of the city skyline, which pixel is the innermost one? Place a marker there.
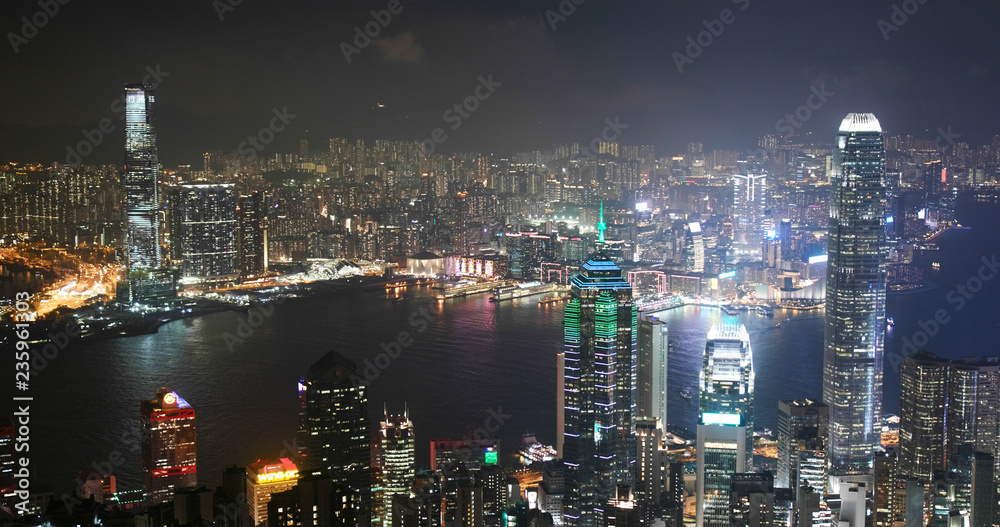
(500, 264)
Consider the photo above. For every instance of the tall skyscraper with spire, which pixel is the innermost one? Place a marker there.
(598, 389)
(855, 295)
(142, 227)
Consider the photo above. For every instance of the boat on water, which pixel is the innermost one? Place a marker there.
(398, 299)
(686, 394)
(510, 292)
(765, 311)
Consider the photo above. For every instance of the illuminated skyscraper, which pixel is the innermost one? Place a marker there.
(334, 413)
(599, 381)
(973, 403)
(651, 368)
(169, 458)
(208, 230)
(396, 459)
(923, 379)
(649, 481)
(798, 420)
(855, 295)
(264, 478)
(142, 233)
(251, 240)
(749, 194)
(725, 423)
(694, 248)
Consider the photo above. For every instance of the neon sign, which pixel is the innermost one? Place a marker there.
(275, 477)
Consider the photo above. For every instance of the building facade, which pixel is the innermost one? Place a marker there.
(142, 169)
(651, 368)
(854, 337)
(725, 422)
(334, 423)
(265, 478)
(599, 381)
(799, 420)
(208, 231)
(396, 452)
(169, 454)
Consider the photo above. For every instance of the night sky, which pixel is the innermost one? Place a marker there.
(223, 78)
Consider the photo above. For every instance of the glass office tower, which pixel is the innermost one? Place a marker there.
(142, 232)
(725, 420)
(169, 453)
(855, 295)
(599, 380)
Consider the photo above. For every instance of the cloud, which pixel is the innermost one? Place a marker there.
(401, 48)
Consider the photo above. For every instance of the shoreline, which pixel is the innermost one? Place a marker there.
(123, 324)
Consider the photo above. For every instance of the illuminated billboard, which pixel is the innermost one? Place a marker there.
(721, 419)
(277, 477)
(818, 259)
(729, 274)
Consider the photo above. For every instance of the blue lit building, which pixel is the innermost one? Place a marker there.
(599, 383)
(142, 228)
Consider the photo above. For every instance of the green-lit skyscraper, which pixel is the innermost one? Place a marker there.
(598, 382)
(855, 295)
